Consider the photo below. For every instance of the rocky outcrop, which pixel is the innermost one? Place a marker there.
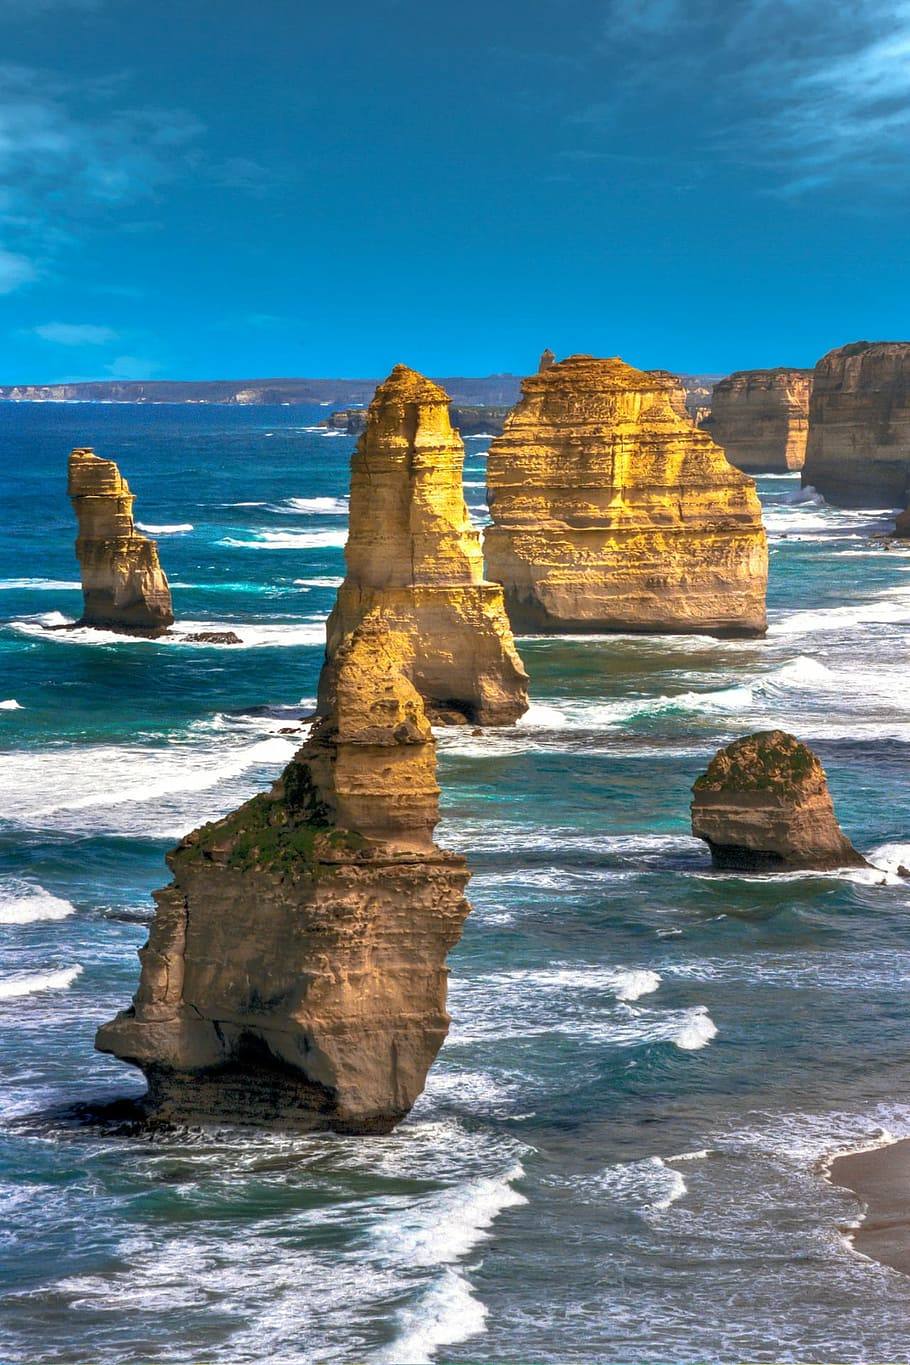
(760, 418)
(295, 969)
(764, 805)
(124, 587)
(413, 552)
(858, 454)
(547, 358)
(611, 511)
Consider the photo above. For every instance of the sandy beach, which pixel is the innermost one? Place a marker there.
(881, 1178)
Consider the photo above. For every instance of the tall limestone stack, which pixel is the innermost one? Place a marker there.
(295, 969)
(858, 453)
(763, 806)
(760, 418)
(413, 552)
(124, 587)
(611, 511)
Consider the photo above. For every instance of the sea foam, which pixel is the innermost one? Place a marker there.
(12, 987)
(23, 902)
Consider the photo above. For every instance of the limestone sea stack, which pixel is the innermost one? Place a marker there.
(763, 806)
(858, 454)
(413, 552)
(124, 587)
(295, 969)
(760, 418)
(611, 511)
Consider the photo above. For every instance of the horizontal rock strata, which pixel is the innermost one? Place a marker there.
(760, 419)
(295, 970)
(764, 805)
(413, 552)
(124, 587)
(611, 511)
(858, 453)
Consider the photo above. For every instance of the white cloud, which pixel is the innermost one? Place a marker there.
(75, 333)
(15, 270)
(132, 367)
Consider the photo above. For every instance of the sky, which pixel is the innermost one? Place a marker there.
(220, 189)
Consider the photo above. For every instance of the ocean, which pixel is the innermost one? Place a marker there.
(616, 1156)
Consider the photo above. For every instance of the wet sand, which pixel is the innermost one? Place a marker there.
(881, 1178)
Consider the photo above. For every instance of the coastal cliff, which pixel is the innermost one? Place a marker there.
(764, 805)
(295, 969)
(611, 511)
(760, 419)
(124, 587)
(858, 453)
(412, 551)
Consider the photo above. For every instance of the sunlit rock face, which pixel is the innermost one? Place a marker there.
(124, 587)
(295, 970)
(760, 419)
(858, 453)
(611, 511)
(764, 805)
(413, 552)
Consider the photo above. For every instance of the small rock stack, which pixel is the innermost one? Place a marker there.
(124, 587)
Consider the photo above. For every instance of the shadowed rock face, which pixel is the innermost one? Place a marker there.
(760, 418)
(858, 453)
(295, 969)
(611, 511)
(123, 584)
(764, 805)
(413, 552)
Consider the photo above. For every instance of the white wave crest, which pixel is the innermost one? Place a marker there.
(288, 540)
(179, 528)
(23, 902)
(325, 507)
(252, 635)
(11, 705)
(38, 585)
(649, 1186)
(697, 1031)
(448, 1313)
(13, 987)
(328, 582)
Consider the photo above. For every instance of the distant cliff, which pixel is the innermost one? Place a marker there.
(492, 390)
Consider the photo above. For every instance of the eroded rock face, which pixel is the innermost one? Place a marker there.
(124, 587)
(295, 969)
(413, 552)
(858, 453)
(764, 805)
(760, 418)
(611, 511)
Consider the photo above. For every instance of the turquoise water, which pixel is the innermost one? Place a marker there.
(614, 1160)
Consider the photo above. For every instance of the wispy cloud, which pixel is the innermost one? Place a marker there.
(812, 93)
(15, 270)
(75, 333)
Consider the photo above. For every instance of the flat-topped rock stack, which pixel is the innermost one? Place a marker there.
(858, 454)
(124, 587)
(413, 552)
(612, 512)
(760, 419)
(763, 806)
(295, 969)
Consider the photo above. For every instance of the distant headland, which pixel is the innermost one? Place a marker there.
(491, 389)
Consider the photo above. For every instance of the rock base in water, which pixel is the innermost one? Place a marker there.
(763, 806)
(295, 970)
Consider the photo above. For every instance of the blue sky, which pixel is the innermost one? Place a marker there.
(210, 188)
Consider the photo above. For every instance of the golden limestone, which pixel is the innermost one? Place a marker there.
(124, 587)
(760, 418)
(413, 552)
(611, 511)
(295, 969)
